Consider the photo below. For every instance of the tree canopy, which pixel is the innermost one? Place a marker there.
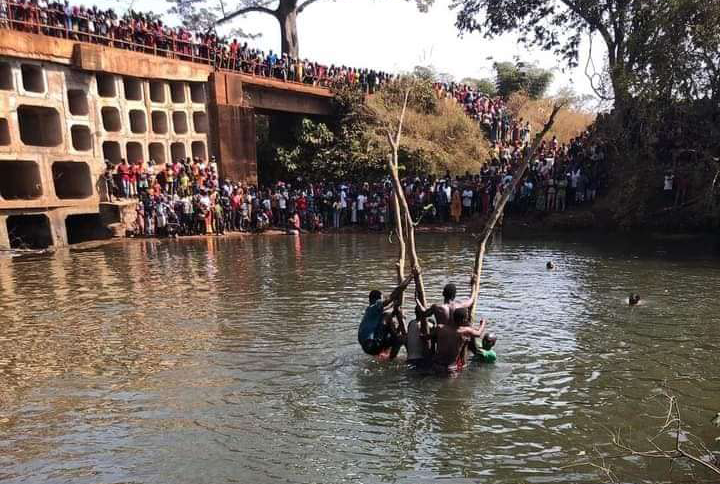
(485, 86)
(650, 43)
(521, 77)
(208, 13)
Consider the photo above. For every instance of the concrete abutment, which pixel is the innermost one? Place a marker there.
(66, 107)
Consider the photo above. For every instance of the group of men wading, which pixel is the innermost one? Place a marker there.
(439, 344)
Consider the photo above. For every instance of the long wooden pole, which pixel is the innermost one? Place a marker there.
(400, 234)
(401, 202)
(497, 213)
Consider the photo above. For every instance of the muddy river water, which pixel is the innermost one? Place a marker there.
(235, 361)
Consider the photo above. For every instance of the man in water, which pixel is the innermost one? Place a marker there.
(451, 342)
(376, 333)
(443, 313)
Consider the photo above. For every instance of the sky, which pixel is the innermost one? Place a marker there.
(392, 35)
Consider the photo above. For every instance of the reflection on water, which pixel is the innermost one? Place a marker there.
(235, 360)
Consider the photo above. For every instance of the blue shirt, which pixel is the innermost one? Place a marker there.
(372, 320)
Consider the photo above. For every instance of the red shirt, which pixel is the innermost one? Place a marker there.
(124, 171)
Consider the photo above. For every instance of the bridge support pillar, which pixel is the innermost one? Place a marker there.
(233, 141)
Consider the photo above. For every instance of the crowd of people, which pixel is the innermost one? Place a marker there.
(187, 197)
(146, 32)
(561, 174)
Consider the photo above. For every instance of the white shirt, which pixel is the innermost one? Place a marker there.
(467, 198)
(361, 199)
(668, 185)
(575, 177)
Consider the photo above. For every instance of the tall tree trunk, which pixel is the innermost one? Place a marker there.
(287, 17)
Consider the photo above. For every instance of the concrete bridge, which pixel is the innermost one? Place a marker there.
(66, 106)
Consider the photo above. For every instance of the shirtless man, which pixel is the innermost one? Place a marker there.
(451, 329)
(451, 342)
(376, 333)
(443, 313)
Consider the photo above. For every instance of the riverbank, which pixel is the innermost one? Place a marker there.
(576, 223)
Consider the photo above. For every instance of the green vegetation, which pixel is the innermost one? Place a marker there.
(437, 136)
(485, 86)
(662, 77)
(521, 77)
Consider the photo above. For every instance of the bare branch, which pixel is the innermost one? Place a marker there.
(243, 11)
(497, 213)
(305, 4)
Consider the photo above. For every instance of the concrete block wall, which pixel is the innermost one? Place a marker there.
(140, 119)
(57, 126)
(66, 106)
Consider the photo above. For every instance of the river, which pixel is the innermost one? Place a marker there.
(235, 360)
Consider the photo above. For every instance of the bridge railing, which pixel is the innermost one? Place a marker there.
(27, 17)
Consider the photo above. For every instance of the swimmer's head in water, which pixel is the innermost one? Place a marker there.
(550, 265)
(449, 292)
(460, 316)
(375, 296)
(634, 299)
(489, 341)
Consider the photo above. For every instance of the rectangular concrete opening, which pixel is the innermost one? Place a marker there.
(133, 88)
(81, 138)
(134, 151)
(177, 92)
(29, 231)
(159, 122)
(157, 91)
(198, 150)
(157, 153)
(106, 85)
(138, 122)
(39, 126)
(6, 81)
(32, 78)
(180, 122)
(111, 118)
(4, 132)
(85, 227)
(77, 102)
(111, 152)
(72, 180)
(200, 122)
(20, 180)
(197, 92)
(177, 151)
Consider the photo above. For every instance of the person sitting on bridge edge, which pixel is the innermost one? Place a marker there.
(376, 333)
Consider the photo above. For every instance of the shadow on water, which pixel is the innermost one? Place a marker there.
(235, 360)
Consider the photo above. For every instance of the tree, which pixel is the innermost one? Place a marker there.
(437, 136)
(430, 73)
(485, 86)
(195, 16)
(511, 78)
(646, 40)
(286, 13)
